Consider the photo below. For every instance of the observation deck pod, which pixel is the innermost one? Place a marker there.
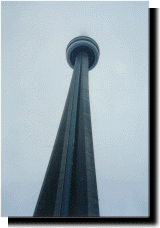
(82, 44)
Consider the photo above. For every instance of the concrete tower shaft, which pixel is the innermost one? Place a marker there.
(69, 187)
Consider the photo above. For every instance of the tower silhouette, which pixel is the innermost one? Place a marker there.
(69, 187)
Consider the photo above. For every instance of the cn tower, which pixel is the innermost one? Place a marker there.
(69, 188)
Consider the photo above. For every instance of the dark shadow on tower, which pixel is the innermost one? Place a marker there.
(69, 187)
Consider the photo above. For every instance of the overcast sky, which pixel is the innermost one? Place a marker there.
(35, 83)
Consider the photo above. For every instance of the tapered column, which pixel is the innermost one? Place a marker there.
(69, 187)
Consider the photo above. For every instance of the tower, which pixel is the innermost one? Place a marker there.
(69, 187)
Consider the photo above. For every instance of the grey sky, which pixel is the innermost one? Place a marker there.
(35, 82)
